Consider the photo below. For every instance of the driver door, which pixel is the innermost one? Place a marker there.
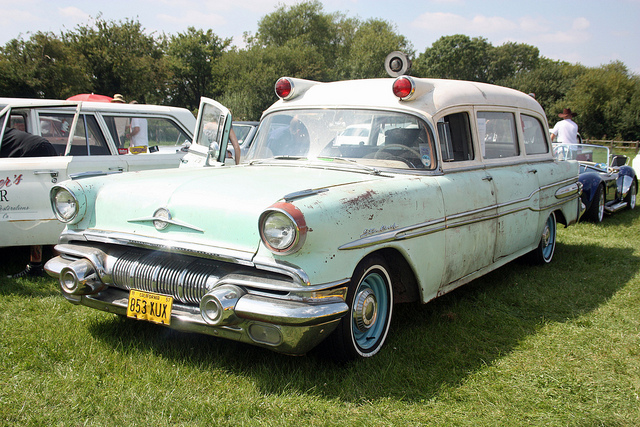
(211, 138)
(26, 217)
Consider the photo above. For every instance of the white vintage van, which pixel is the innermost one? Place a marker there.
(89, 138)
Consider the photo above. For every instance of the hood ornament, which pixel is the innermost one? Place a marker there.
(162, 218)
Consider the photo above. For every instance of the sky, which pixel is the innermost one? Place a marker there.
(588, 32)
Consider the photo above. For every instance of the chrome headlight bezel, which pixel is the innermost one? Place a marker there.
(74, 212)
(283, 229)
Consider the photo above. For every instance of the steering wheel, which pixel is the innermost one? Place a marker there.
(402, 147)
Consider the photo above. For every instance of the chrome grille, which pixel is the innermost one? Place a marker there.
(185, 278)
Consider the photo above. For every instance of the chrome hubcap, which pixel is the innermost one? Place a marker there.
(365, 310)
(601, 207)
(546, 236)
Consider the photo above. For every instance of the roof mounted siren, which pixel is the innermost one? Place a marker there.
(397, 64)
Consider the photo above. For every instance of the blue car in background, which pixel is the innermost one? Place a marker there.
(609, 183)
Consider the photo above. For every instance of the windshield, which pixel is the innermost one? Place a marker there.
(591, 155)
(371, 138)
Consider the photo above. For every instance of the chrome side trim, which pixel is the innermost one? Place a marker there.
(569, 193)
(569, 190)
(555, 184)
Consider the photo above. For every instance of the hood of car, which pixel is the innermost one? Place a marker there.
(215, 207)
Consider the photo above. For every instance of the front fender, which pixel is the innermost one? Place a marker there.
(626, 177)
(590, 183)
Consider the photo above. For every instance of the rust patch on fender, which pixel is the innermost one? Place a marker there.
(365, 200)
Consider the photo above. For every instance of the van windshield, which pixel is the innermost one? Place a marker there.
(373, 138)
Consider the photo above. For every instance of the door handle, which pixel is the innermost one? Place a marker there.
(533, 171)
(117, 168)
(487, 178)
(54, 174)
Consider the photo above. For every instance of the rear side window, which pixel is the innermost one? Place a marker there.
(87, 138)
(497, 131)
(454, 134)
(154, 131)
(534, 135)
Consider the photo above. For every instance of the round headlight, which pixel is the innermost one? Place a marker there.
(64, 204)
(279, 231)
(283, 228)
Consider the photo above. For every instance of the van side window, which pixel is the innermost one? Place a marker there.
(497, 132)
(87, 139)
(454, 133)
(534, 137)
(18, 121)
(55, 128)
(161, 132)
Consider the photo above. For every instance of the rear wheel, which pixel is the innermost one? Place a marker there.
(596, 210)
(631, 197)
(363, 330)
(547, 246)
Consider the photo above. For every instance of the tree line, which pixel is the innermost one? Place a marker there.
(302, 41)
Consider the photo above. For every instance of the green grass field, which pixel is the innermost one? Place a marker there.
(557, 345)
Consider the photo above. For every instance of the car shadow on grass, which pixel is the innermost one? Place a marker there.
(430, 347)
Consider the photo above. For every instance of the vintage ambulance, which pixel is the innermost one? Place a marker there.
(355, 196)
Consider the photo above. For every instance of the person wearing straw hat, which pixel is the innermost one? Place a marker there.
(565, 131)
(118, 99)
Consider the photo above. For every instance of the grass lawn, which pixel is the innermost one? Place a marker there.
(556, 345)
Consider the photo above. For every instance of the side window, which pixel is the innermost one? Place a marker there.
(534, 136)
(18, 121)
(212, 126)
(165, 133)
(88, 139)
(454, 134)
(497, 132)
(151, 131)
(55, 128)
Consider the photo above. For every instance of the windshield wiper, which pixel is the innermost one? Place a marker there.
(352, 162)
(258, 161)
(290, 158)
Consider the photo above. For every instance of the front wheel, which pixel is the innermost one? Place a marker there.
(363, 330)
(547, 246)
(595, 213)
(631, 197)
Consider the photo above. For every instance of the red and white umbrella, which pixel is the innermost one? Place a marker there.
(92, 97)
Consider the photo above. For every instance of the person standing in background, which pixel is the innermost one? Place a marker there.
(565, 131)
(139, 135)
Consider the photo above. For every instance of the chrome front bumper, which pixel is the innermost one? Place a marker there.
(231, 303)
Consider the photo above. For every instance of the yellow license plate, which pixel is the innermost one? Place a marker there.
(149, 306)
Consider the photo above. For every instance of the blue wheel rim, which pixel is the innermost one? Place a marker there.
(374, 284)
(549, 238)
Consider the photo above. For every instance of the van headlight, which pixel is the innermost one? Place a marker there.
(65, 205)
(283, 228)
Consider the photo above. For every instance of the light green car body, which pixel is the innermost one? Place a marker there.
(436, 228)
